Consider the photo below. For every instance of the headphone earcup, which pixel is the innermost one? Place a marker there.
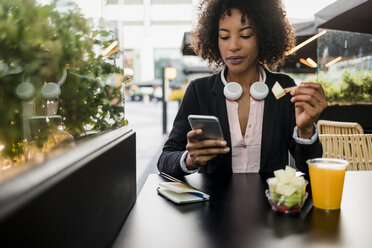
(25, 91)
(233, 91)
(50, 91)
(259, 90)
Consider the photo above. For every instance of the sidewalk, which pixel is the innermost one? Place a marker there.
(146, 121)
(151, 166)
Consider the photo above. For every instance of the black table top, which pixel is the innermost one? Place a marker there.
(239, 215)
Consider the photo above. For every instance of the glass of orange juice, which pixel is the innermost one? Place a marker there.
(327, 181)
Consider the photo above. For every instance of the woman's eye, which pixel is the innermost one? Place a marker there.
(224, 37)
(246, 36)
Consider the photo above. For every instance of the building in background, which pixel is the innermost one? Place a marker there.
(150, 33)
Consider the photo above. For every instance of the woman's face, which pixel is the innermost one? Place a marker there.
(237, 42)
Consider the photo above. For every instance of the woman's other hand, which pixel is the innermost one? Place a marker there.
(200, 152)
(310, 101)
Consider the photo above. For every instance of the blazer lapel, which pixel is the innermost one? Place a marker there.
(270, 114)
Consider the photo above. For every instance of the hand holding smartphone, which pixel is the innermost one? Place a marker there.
(213, 142)
(209, 124)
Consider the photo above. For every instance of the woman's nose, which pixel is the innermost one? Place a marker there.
(234, 44)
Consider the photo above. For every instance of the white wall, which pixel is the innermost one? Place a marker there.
(148, 27)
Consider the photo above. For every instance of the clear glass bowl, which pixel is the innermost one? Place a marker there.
(287, 205)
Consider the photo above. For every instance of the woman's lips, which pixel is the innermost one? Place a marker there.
(235, 60)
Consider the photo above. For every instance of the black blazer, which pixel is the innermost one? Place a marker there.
(205, 96)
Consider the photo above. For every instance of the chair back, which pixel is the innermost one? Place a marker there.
(355, 148)
(339, 127)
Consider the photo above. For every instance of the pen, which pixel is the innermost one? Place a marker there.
(165, 175)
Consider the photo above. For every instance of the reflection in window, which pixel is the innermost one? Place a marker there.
(345, 66)
(58, 81)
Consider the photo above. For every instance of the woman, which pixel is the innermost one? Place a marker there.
(244, 38)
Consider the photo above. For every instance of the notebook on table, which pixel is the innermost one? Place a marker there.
(179, 192)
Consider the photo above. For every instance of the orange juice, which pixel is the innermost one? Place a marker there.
(327, 182)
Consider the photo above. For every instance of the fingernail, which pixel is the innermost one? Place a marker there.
(226, 149)
(223, 143)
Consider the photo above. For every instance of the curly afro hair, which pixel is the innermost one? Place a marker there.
(274, 33)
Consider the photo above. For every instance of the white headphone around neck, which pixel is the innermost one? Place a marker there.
(233, 90)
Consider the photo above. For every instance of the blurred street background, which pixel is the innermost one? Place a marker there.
(146, 119)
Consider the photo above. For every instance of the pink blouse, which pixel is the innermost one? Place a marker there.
(246, 151)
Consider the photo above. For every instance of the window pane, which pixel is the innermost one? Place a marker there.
(345, 66)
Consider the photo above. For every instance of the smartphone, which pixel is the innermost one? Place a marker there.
(209, 124)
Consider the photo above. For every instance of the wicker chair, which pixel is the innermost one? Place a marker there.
(355, 148)
(338, 127)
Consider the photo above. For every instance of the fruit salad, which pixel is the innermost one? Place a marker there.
(287, 192)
